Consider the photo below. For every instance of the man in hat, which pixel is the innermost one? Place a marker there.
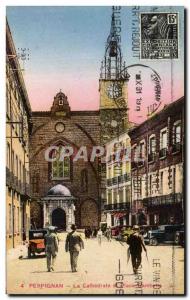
(136, 243)
(51, 247)
(74, 244)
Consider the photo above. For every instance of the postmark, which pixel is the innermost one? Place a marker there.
(142, 77)
(159, 35)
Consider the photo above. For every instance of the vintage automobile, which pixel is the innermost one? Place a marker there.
(180, 238)
(146, 228)
(115, 231)
(154, 237)
(164, 234)
(36, 242)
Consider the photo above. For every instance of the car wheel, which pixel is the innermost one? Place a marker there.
(154, 242)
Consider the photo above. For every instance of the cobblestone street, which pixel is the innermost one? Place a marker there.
(97, 271)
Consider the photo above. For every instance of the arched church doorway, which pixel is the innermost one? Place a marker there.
(59, 218)
(89, 214)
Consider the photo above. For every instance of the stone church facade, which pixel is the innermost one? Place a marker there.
(64, 191)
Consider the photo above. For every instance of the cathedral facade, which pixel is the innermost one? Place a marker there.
(66, 190)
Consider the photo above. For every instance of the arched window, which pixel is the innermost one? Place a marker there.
(60, 166)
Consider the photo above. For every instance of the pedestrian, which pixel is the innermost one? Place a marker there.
(86, 233)
(108, 234)
(90, 232)
(99, 235)
(74, 244)
(95, 232)
(51, 248)
(136, 243)
(55, 231)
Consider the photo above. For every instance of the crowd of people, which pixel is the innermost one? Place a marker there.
(98, 233)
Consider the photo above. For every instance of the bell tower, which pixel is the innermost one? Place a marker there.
(60, 107)
(113, 87)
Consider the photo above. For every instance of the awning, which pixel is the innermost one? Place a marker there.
(119, 214)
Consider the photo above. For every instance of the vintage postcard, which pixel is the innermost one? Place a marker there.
(95, 118)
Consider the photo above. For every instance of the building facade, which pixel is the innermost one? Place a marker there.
(66, 190)
(118, 183)
(157, 167)
(18, 126)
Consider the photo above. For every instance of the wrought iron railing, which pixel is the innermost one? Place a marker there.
(119, 179)
(141, 163)
(151, 157)
(133, 165)
(127, 177)
(163, 152)
(16, 184)
(117, 206)
(176, 147)
(115, 180)
(109, 182)
(163, 200)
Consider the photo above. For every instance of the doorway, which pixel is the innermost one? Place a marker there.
(59, 218)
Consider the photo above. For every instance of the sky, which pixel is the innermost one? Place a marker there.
(66, 46)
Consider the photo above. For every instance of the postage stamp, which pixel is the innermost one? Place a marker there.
(159, 35)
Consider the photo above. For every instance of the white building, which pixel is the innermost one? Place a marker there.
(118, 185)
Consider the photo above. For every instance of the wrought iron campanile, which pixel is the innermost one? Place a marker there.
(112, 63)
(113, 84)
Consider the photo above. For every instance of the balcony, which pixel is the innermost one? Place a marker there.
(163, 153)
(118, 180)
(151, 157)
(133, 165)
(109, 182)
(117, 206)
(8, 177)
(176, 148)
(163, 200)
(126, 177)
(16, 184)
(19, 185)
(11, 180)
(22, 188)
(115, 180)
(141, 163)
(27, 189)
(16, 181)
